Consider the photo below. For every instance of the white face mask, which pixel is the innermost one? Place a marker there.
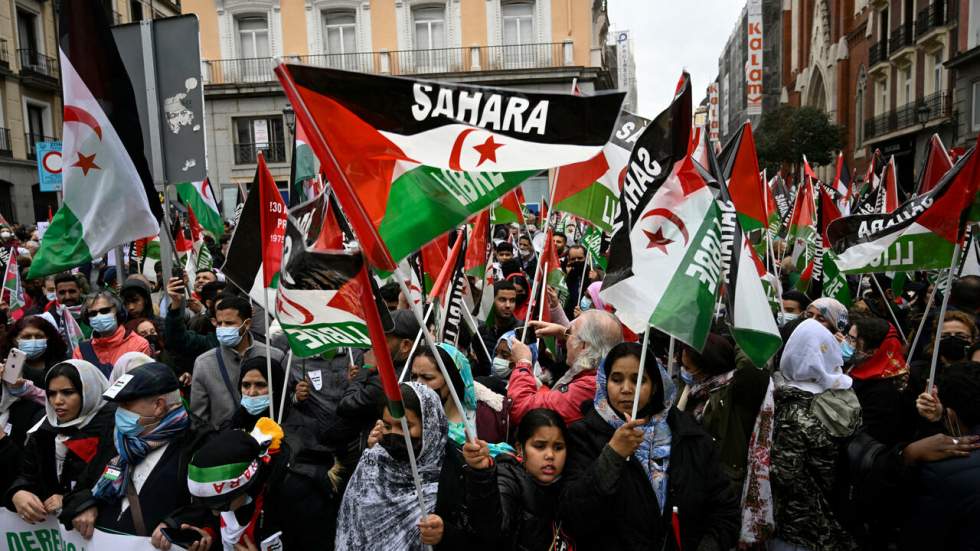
(501, 367)
(786, 317)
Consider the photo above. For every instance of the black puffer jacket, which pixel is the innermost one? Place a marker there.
(510, 509)
(89, 450)
(608, 503)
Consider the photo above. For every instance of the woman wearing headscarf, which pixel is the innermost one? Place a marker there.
(380, 509)
(503, 364)
(816, 409)
(830, 313)
(254, 385)
(654, 482)
(38, 337)
(732, 400)
(69, 449)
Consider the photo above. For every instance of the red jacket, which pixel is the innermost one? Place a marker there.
(108, 349)
(567, 401)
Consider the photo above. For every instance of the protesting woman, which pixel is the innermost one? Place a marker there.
(815, 410)
(254, 385)
(39, 339)
(380, 509)
(515, 505)
(653, 482)
(69, 449)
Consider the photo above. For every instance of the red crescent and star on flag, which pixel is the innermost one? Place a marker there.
(81, 116)
(487, 149)
(657, 238)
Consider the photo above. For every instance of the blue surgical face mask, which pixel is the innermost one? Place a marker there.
(256, 404)
(501, 367)
(51, 296)
(127, 422)
(687, 377)
(846, 350)
(585, 303)
(34, 348)
(229, 336)
(103, 323)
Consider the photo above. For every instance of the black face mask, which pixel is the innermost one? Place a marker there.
(394, 444)
(953, 348)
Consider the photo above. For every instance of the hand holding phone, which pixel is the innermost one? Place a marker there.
(14, 365)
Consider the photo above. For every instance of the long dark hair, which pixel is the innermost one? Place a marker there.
(56, 351)
(539, 418)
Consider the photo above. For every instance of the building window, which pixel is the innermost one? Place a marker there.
(253, 36)
(859, 118)
(518, 22)
(136, 10)
(27, 38)
(340, 27)
(973, 33)
(976, 105)
(937, 72)
(881, 99)
(907, 89)
(883, 27)
(264, 134)
(430, 27)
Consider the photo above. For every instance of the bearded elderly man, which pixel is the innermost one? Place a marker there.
(587, 341)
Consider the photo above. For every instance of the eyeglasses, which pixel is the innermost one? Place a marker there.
(103, 311)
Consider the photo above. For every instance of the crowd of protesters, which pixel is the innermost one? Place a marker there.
(153, 419)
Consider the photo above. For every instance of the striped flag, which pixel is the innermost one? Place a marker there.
(199, 197)
(937, 164)
(411, 159)
(102, 147)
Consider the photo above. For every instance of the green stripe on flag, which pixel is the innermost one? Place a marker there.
(62, 248)
(317, 338)
(759, 346)
(208, 218)
(596, 203)
(426, 202)
(216, 474)
(912, 251)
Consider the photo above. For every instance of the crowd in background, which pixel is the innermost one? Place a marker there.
(155, 420)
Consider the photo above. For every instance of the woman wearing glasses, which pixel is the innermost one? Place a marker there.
(110, 340)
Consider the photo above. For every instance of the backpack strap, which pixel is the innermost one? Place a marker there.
(89, 355)
(224, 371)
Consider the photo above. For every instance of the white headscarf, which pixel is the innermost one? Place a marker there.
(128, 362)
(94, 384)
(812, 360)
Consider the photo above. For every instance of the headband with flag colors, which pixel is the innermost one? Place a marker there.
(102, 148)
(428, 155)
(919, 235)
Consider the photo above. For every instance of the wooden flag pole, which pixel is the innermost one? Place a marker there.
(940, 316)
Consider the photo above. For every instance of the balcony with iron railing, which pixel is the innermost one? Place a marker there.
(939, 14)
(512, 57)
(900, 38)
(248, 153)
(32, 139)
(929, 108)
(5, 149)
(37, 67)
(878, 53)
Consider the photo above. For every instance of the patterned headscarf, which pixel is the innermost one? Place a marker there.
(654, 453)
(380, 509)
(457, 431)
(831, 310)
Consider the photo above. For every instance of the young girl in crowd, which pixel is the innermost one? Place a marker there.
(380, 509)
(515, 504)
(653, 482)
(69, 449)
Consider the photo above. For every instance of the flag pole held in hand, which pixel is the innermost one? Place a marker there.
(639, 373)
(940, 316)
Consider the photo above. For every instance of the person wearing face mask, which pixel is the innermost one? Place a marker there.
(794, 304)
(69, 449)
(957, 335)
(214, 396)
(154, 442)
(503, 364)
(38, 338)
(382, 490)
(526, 255)
(515, 504)
(643, 483)
(110, 340)
(254, 386)
(576, 278)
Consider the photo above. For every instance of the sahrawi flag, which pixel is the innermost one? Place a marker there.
(920, 235)
(199, 197)
(747, 305)
(410, 159)
(13, 292)
(319, 298)
(827, 277)
(590, 189)
(303, 170)
(665, 255)
(109, 198)
(255, 249)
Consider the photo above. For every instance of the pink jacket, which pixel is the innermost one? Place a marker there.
(523, 391)
(108, 349)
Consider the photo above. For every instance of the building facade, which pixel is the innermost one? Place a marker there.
(965, 66)
(735, 82)
(879, 69)
(529, 44)
(623, 67)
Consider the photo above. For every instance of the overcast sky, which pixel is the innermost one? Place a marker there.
(671, 35)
